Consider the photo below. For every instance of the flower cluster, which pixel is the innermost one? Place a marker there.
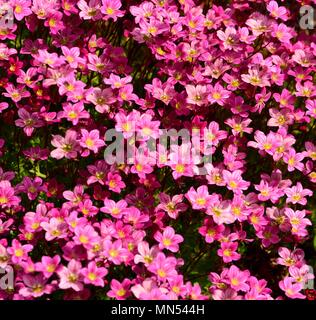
(238, 75)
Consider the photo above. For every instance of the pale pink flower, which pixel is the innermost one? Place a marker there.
(70, 276)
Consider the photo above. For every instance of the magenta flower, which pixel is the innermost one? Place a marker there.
(114, 251)
(48, 266)
(28, 121)
(119, 291)
(163, 267)
(234, 181)
(228, 251)
(114, 182)
(172, 206)
(276, 11)
(168, 239)
(111, 8)
(21, 8)
(292, 290)
(18, 251)
(74, 112)
(94, 275)
(7, 195)
(293, 160)
(218, 94)
(91, 141)
(297, 194)
(200, 198)
(31, 188)
(237, 279)
(85, 235)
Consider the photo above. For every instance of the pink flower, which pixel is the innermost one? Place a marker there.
(230, 38)
(116, 210)
(311, 108)
(102, 99)
(196, 94)
(301, 274)
(276, 11)
(48, 265)
(32, 188)
(114, 251)
(228, 251)
(70, 276)
(119, 290)
(98, 172)
(110, 8)
(21, 8)
(74, 112)
(172, 206)
(256, 78)
(36, 153)
(168, 239)
(297, 194)
(94, 275)
(28, 121)
(146, 255)
(86, 236)
(114, 182)
(35, 286)
(3, 106)
(282, 32)
(72, 56)
(7, 197)
(293, 160)
(269, 235)
(211, 231)
(90, 10)
(126, 123)
(218, 94)
(200, 198)
(298, 221)
(163, 267)
(237, 279)
(54, 22)
(239, 126)
(91, 141)
(292, 290)
(116, 82)
(288, 258)
(54, 229)
(18, 251)
(234, 181)
(263, 142)
(87, 208)
(67, 147)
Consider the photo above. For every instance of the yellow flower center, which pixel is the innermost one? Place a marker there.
(18, 252)
(92, 276)
(180, 168)
(3, 200)
(161, 273)
(166, 242)
(83, 239)
(201, 201)
(89, 142)
(113, 253)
